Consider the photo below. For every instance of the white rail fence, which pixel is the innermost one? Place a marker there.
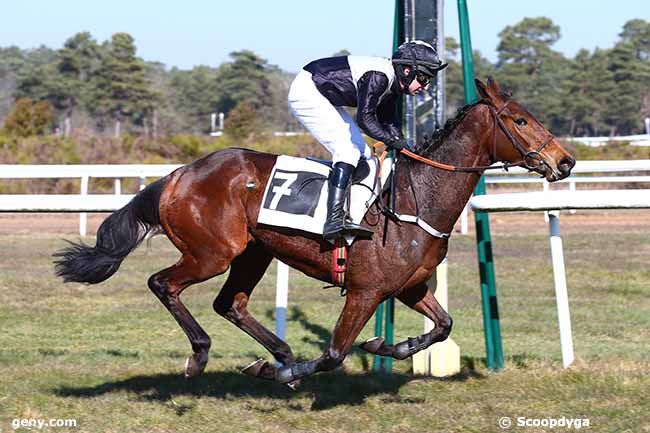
(548, 200)
(554, 201)
(82, 202)
(634, 140)
(584, 172)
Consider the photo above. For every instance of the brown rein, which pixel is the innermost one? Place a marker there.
(525, 154)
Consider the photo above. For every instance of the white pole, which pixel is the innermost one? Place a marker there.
(118, 186)
(464, 220)
(83, 220)
(143, 183)
(442, 359)
(561, 293)
(281, 300)
(545, 188)
(213, 122)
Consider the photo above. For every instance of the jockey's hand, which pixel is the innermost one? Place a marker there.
(397, 144)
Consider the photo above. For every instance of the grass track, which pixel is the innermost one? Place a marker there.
(111, 357)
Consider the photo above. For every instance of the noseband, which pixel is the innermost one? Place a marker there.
(530, 159)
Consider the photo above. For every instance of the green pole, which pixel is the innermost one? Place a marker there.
(379, 319)
(381, 363)
(491, 326)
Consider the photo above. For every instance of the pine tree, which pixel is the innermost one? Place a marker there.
(532, 70)
(76, 63)
(121, 88)
(585, 93)
(195, 95)
(245, 79)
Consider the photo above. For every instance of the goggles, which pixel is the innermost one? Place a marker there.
(422, 78)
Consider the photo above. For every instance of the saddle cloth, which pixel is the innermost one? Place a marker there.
(296, 193)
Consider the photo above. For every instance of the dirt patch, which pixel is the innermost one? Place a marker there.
(55, 223)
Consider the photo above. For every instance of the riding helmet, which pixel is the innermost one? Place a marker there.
(420, 57)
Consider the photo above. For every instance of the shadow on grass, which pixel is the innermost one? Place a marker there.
(327, 390)
(322, 335)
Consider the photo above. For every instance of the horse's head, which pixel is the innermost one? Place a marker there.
(522, 138)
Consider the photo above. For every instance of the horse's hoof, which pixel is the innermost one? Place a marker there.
(294, 384)
(254, 368)
(372, 345)
(195, 364)
(261, 369)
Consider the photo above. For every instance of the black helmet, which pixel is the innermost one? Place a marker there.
(420, 57)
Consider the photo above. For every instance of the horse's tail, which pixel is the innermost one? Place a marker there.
(117, 236)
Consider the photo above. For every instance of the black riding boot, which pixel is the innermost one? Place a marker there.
(338, 222)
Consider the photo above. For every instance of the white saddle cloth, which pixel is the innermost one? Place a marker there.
(296, 194)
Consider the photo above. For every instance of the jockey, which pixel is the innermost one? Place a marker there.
(372, 84)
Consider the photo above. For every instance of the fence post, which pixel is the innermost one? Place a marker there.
(83, 219)
(561, 292)
(545, 188)
(464, 226)
(281, 298)
(441, 359)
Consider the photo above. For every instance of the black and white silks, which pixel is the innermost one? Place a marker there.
(367, 83)
(319, 93)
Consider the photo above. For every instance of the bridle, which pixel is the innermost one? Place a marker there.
(530, 159)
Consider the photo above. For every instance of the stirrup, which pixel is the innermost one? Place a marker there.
(357, 230)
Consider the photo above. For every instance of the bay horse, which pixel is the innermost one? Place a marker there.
(208, 210)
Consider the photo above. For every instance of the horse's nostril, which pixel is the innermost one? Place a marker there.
(566, 164)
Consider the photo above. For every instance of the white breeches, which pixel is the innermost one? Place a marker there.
(331, 126)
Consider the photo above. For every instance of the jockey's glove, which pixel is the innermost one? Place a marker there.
(397, 144)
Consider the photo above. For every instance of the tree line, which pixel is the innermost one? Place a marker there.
(106, 88)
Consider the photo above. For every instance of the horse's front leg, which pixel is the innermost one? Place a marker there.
(421, 300)
(356, 312)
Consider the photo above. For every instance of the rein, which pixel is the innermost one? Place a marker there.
(526, 155)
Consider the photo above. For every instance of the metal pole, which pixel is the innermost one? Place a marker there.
(493, 346)
(440, 78)
(561, 292)
(379, 320)
(379, 362)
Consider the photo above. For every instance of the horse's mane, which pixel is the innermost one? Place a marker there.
(433, 141)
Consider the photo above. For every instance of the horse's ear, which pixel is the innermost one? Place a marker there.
(491, 82)
(482, 89)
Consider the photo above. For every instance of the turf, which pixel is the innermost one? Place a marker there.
(110, 356)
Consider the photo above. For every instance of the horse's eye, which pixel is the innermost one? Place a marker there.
(521, 121)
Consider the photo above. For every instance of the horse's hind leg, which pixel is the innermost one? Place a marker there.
(246, 271)
(421, 300)
(167, 285)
